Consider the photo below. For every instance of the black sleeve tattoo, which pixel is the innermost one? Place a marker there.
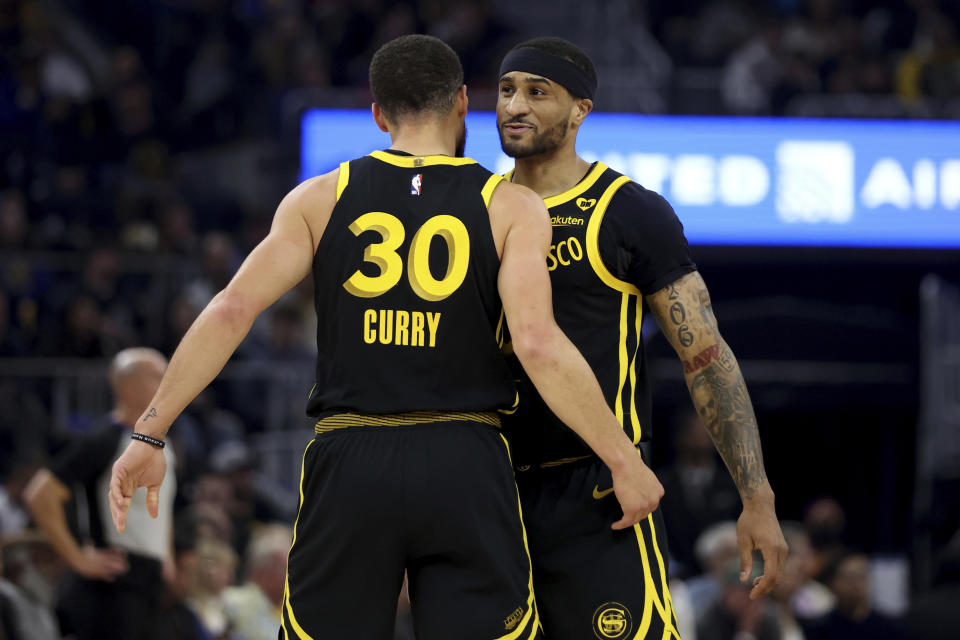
(719, 393)
(720, 396)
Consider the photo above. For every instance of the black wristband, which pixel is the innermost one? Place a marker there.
(159, 444)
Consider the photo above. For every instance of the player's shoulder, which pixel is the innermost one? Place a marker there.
(514, 197)
(634, 195)
(318, 186)
(318, 193)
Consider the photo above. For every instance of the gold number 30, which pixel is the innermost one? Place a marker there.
(384, 255)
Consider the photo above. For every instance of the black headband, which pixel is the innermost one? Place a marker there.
(552, 67)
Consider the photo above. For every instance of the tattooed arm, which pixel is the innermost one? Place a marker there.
(720, 397)
(713, 377)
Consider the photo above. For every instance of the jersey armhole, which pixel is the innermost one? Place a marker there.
(593, 241)
(489, 188)
(343, 179)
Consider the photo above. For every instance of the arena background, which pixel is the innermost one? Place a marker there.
(144, 147)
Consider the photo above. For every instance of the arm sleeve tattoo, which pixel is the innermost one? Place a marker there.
(713, 377)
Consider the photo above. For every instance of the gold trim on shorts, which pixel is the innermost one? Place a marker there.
(343, 420)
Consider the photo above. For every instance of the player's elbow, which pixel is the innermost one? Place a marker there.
(532, 344)
(232, 309)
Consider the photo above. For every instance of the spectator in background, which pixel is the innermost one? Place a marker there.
(212, 522)
(213, 499)
(253, 497)
(753, 72)
(180, 314)
(178, 234)
(117, 576)
(816, 34)
(216, 570)
(935, 614)
(853, 618)
(217, 266)
(683, 608)
(931, 68)
(805, 598)
(940, 74)
(20, 288)
(698, 492)
(716, 548)
(26, 590)
(90, 316)
(82, 333)
(176, 620)
(254, 608)
(16, 468)
(203, 426)
(12, 343)
(21, 406)
(761, 76)
(824, 521)
(13, 220)
(720, 27)
(284, 340)
(102, 280)
(734, 616)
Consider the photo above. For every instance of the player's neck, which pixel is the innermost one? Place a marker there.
(550, 174)
(424, 141)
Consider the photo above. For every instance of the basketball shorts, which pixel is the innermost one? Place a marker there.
(592, 581)
(430, 493)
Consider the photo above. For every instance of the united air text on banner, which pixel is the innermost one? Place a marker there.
(741, 181)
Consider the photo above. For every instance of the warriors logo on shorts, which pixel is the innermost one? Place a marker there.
(612, 621)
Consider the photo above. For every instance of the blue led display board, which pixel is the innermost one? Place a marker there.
(741, 181)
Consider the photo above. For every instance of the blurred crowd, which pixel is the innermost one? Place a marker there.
(143, 147)
(831, 58)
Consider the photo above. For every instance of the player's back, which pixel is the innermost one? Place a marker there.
(405, 280)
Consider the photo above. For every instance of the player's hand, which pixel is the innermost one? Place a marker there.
(637, 489)
(100, 564)
(141, 465)
(758, 529)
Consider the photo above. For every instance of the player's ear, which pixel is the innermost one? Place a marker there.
(379, 118)
(581, 109)
(462, 102)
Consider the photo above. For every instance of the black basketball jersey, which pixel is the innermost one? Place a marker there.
(613, 242)
(405, 282)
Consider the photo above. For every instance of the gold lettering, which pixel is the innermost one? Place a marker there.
(572, 244)
(386, 326)
(433, 320)
(551, 259)
(573, 249)
(416, 329)
(560, 256)
(369, 319)
(403, 324)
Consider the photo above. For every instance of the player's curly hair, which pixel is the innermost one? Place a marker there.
(563, 49)
(414, 75)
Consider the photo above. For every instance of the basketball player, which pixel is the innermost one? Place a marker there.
(416, 255)
(614, 244)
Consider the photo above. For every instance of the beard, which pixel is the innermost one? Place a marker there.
(540, 143)
(461, 141)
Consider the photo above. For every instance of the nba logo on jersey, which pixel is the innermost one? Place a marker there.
(415, 184)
